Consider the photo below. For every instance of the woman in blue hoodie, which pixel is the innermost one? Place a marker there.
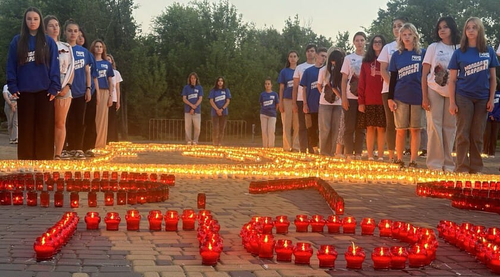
(33, 76)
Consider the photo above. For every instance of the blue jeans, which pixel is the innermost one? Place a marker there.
(218, 127)
(471, 122)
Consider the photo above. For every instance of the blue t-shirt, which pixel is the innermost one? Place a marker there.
(82, 59)
(473, 79)
(496, 108)
(105, 70)
(310, 82)
(268, 102)
(192, 93)
(219, 96)
(33, 77)
(286, 78)
(408, 66)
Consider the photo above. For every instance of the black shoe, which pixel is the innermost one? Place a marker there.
(407, 152)
(412, 164)
(423, 154)
(400, 163)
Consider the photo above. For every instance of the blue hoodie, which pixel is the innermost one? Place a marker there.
(32, 77)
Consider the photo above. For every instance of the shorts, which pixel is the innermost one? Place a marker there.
(408, 116)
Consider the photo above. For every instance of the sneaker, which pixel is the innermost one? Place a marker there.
(65, 155)
(358, 157)
(423, 154)
(400, 163)
(16, 141)
(57, 157)
(371, 159)
(381, 159)
(79, 155)
(188, 143)
(89, 153)
(195, 143)
(407, 152)
(11, 141)
(412, 164)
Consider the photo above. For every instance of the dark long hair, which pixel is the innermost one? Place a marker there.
(370, 55)
(335, 78)
(223, 83)
(42, 53)
(85, 44)
(287, 64)
(104, 49)
(450, 22)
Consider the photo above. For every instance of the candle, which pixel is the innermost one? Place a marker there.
(384, 228)
(109, 198)
(399, 257)
(266, 247)
(58, 199)
(301, 223)
(18, 198)
(44, 248)
(155, 220)
(284, 250)
(112, 221)
(317, 223)
(202, 199)
(381, 257)
(131, 197)
(92, 199)
(494, 263)
(302, 253)
(44, 199)
(267, 225)
(333, 223)
(32, 198)
(121, 197)
(327, 256)
(349, 225)
(92, 219)
(209, 254)
(74, 200)
(417, 256)
(171, 220)
(133, 219)
(281, 223)
(354, 256)
(188, 219)
(367, 226)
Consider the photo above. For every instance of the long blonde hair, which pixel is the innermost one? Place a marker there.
(416, 38)
(481, 38)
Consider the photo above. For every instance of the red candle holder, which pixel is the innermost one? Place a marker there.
(32, 198)
(381, 257)
(355, 256)
(385, 228)
(267, 225)
(349, 225)
(266, 246)
(282, 223)
(44, 249)
(284, 250)
(121, 197)
(155, 219)
(327, 256)
(74, 200)
(171, 220)
(317, 224)
(399, 257)
(131, 197)
(58, 199)
(92, 219)
(303, 253)
(18, 198)
(112, 221)
(133, 219)
(367, 226)
(210, 254)
(92, 199)
(301, 223)
(202, 200)
(417, 256)
(188, 219)
(494, 263)
(44, 199)
(109, 198)
(333, 223)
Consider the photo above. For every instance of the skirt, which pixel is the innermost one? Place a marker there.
(375, 116)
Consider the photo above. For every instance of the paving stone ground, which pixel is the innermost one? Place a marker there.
(104, 253)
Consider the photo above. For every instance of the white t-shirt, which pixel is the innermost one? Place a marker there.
(438, 54)
(498, 50)
(66, 65)
(322, 80)
(116, 79)
(385, 57)
(299, 70)
(351, 66)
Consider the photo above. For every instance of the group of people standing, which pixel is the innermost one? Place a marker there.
(64, 92)
(388, 89)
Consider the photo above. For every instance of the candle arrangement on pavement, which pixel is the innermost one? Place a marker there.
(48, 244)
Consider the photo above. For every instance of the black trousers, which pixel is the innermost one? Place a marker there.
(90, 133)
(74, 124)
(490, 137)
(312, 131)
(35, 126)
(112, 123)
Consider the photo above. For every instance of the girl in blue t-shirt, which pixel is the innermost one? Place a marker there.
(405, 91)
(269, 101)
(289, 119)
(472, 91)
(105, 82)
(219, 96)
(33, 76)
(192, 95)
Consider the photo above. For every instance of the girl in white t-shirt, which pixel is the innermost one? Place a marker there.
(441, 125)
(384, 59)
(115, 96)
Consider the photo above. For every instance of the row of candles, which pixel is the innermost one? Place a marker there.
(50, 242)
(209, 239)
(122, 197)
(477, 240)
(257, 238)
(334, 200)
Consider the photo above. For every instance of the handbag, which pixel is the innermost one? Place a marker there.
(330, 96)
(353, 84)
